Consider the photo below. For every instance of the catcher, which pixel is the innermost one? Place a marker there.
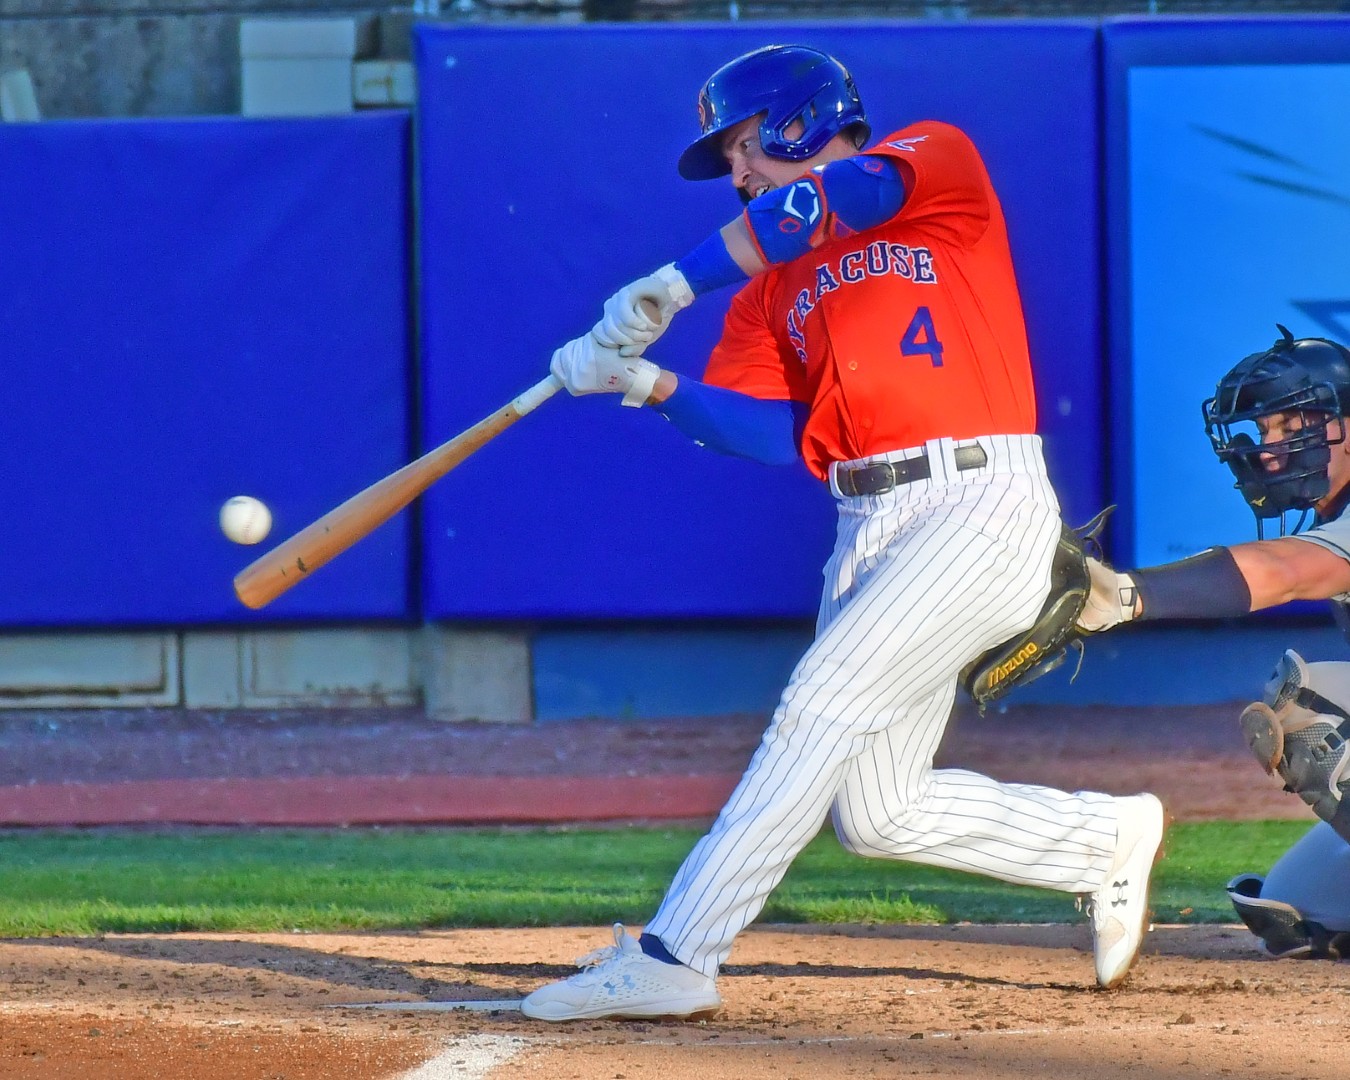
(1278, 420)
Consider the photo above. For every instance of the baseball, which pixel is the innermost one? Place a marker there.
(245, 520)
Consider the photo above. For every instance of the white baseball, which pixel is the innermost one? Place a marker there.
(245, 520)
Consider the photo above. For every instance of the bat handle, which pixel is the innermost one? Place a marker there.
(529, 400)
(546, 387)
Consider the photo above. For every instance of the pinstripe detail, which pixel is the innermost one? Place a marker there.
(922, 579)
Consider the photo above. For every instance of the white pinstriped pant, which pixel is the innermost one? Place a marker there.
(923, 578)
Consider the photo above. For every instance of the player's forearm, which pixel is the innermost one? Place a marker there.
(1278, 571)
(728, 422)
(1225, 582)
(666, 383)
(1268, 578)
(736, 236)
(1205, 586)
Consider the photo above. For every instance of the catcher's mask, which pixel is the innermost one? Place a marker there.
(1309, 380)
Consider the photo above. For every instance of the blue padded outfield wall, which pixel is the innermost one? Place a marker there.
(547, 180)
(1229, 210)
(191, 310)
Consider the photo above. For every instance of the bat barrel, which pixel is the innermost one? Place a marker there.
(295, 558)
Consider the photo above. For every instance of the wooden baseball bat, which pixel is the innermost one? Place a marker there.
(293, 560)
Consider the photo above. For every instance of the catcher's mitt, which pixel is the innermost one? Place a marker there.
(1046, 644)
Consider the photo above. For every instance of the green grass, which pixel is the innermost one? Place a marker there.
(90, 882)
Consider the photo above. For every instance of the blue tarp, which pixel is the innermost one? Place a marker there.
(191, 310)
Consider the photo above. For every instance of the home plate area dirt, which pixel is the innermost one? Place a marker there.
(953, 1002)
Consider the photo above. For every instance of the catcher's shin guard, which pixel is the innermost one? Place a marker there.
(1281, 927)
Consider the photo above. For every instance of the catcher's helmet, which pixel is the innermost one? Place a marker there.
(1306, 376)
(785, 83)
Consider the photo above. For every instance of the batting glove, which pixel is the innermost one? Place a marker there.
(626, 327)
(1111, 601)
(584, 366)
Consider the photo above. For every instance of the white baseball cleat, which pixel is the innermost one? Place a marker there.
(1119, 909)
(621, 980)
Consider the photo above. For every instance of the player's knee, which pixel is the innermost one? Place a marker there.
(858, 836)
(867, 846)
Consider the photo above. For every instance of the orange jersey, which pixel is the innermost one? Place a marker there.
(909, 331)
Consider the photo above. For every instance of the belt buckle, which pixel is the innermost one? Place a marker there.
(895, 479)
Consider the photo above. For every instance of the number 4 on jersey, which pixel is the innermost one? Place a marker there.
(927, 345)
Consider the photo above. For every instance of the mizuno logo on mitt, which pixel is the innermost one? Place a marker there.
(1025, 653)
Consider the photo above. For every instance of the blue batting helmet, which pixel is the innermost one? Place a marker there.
(785, 83)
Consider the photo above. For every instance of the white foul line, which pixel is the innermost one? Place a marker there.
(505, 1005)
(469, 1058)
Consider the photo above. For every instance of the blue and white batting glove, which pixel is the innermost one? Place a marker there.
(584, 366)
(626, 327)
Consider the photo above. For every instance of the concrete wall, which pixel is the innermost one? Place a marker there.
(127, 65)
(133, 58)
(456, 674)
(514, 674)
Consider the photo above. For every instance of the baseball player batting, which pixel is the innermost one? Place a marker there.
(1278, 420)
(878, 336)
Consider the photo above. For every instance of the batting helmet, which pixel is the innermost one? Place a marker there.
(785, 83)
(1306, 376)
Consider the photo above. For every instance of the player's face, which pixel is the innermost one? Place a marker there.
(752, 170)
(1280, 427)
(1277, 428)
(1283, 426)
(1338, 468)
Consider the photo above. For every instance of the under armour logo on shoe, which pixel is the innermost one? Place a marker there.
(625, 982)
(1120, 887)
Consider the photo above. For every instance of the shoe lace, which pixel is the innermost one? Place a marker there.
(597, 957)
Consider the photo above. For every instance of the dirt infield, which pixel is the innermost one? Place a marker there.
(957, 1003)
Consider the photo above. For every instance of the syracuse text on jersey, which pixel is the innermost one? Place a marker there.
(874, 260)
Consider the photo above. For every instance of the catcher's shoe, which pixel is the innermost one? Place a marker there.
(621, 981)
(1119, 909)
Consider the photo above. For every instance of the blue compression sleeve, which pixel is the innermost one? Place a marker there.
(1204, 586)
(710, 266)
(737, 424)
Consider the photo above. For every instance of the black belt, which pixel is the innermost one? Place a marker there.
(885, 475)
